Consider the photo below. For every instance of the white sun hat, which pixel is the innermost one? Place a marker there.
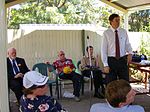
(34, 78)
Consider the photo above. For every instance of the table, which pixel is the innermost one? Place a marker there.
(144, 69)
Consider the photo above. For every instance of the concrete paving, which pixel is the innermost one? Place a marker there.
(86, 101)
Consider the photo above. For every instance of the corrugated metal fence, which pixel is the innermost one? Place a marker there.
(43, 45)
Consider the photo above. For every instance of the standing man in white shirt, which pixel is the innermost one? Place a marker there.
(116, 51)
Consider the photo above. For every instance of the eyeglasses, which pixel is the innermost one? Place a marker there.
(62, 54)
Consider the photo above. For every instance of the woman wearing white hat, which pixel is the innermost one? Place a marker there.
(34, 98)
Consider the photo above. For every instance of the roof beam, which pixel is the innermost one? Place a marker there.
(112, 0)
(7, 5)
(108, 2)
(140, 7)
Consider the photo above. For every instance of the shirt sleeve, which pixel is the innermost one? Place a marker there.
(70, 64)
(24, 106)
(83, 65)
(56, 64)
(104, 52)
(128, 45)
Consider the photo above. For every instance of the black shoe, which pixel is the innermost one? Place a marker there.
(98, 95)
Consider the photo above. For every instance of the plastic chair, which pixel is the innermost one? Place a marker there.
(53, 70)
(62, 83)
(48, 70)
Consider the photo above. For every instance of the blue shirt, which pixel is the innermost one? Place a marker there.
(105, 107)
(40, 104)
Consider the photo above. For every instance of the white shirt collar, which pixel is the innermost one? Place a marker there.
(11, 60)
(122, 108)
(114, 29)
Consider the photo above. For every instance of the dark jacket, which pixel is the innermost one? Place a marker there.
(21, 64)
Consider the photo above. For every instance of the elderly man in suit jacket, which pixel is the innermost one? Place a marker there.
(16, 68)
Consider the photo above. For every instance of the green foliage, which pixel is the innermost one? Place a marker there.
(145, 46)
(139, 21)
(146, 28)
(72, 12)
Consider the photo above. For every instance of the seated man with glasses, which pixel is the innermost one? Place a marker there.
(34, 98)
(66, 70)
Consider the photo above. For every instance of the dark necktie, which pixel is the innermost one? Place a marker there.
(117, 45)
(15, 67)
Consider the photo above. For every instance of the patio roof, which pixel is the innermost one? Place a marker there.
(128, 5)
(9, 3)
(122, 5)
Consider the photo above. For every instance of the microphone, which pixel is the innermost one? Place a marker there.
(88, 37)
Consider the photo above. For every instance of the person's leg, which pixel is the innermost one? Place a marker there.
(96, 78)
(101, 82)
(97, 75)
(76, 79)
(16, 86)
(123, 72)
(85, 74)
(112, 75)
(64, 76)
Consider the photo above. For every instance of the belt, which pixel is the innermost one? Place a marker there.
(123, 57)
